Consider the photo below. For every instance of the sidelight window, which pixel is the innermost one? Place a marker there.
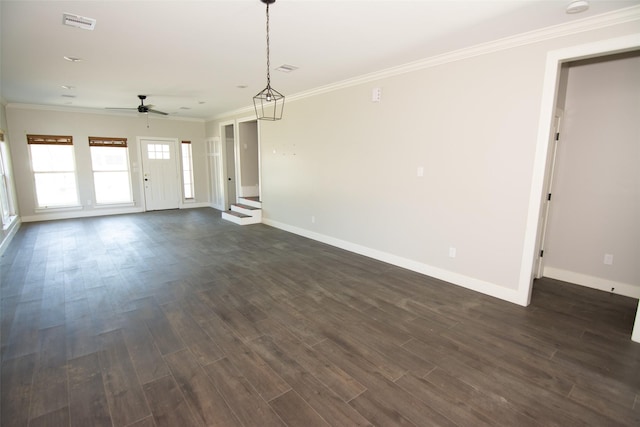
(187, 169)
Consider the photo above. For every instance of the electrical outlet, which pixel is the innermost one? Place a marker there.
(313, 219)
(452, 252)
(608, 259)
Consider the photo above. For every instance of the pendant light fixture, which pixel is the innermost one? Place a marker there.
(268, 103)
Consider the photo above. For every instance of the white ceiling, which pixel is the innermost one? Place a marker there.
(195, 54)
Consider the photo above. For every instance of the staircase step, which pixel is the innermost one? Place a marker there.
(250, 201)
(240, 218)
(250, 208)
(237, 214)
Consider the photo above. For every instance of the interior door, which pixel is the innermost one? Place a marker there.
(160, 173)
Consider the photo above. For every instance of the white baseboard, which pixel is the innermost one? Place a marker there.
(619, 288)
(487, 288)
(103, 211)
(80, 214)
(635, 335)
(195, 205)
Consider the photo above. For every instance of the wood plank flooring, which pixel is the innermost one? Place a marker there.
(178, 318)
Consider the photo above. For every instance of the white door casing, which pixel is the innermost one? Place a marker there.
(248, 157)
(160, 173)
(549, 91)
(551, 162)
(230, 162)
(216, 170)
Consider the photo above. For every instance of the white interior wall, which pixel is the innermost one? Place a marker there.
(595, 207)
(344, 170)
(23, 120)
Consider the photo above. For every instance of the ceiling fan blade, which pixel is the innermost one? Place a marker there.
(141, 108)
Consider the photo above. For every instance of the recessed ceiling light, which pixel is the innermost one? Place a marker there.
(577, 6)
(72, 59)
(286, 68)
(68, 96)
(67, 87)
(185, 108)
(202, 102)
(242, 86)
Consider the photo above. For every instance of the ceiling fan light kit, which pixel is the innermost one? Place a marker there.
(147, 108)
(268, 103)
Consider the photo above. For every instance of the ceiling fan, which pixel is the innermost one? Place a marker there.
(142, 108)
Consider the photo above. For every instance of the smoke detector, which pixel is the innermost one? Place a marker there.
(78, 21)
(577, 6)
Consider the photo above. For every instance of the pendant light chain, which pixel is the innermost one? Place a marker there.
(268, 61)
(268, 103)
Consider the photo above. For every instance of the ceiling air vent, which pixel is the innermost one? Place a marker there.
(286, 68)
(78, 21)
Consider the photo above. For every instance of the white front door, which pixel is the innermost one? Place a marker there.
(160, 173)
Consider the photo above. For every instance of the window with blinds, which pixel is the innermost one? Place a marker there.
(54, 172)
(110, 164)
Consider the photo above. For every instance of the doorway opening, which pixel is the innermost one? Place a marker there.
(248, 159)
(550, 96)
(228, 142)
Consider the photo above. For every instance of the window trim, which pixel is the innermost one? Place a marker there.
(66, 140)
(111, 142)
(192, 184)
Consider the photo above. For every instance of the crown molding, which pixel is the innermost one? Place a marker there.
(591, 23)
(15, 105)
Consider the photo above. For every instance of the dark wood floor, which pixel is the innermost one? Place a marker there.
(177, 319)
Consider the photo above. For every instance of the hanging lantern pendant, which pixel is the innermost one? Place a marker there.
(268, 103)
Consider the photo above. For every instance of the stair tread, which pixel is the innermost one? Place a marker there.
(252, 198)
(238, 214)
(252, 208)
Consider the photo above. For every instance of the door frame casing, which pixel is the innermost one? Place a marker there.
(215, 166)
(555, 59)
(237, 151)
(548, 185)
(177, 159)
(551, 84)
(222, 133)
